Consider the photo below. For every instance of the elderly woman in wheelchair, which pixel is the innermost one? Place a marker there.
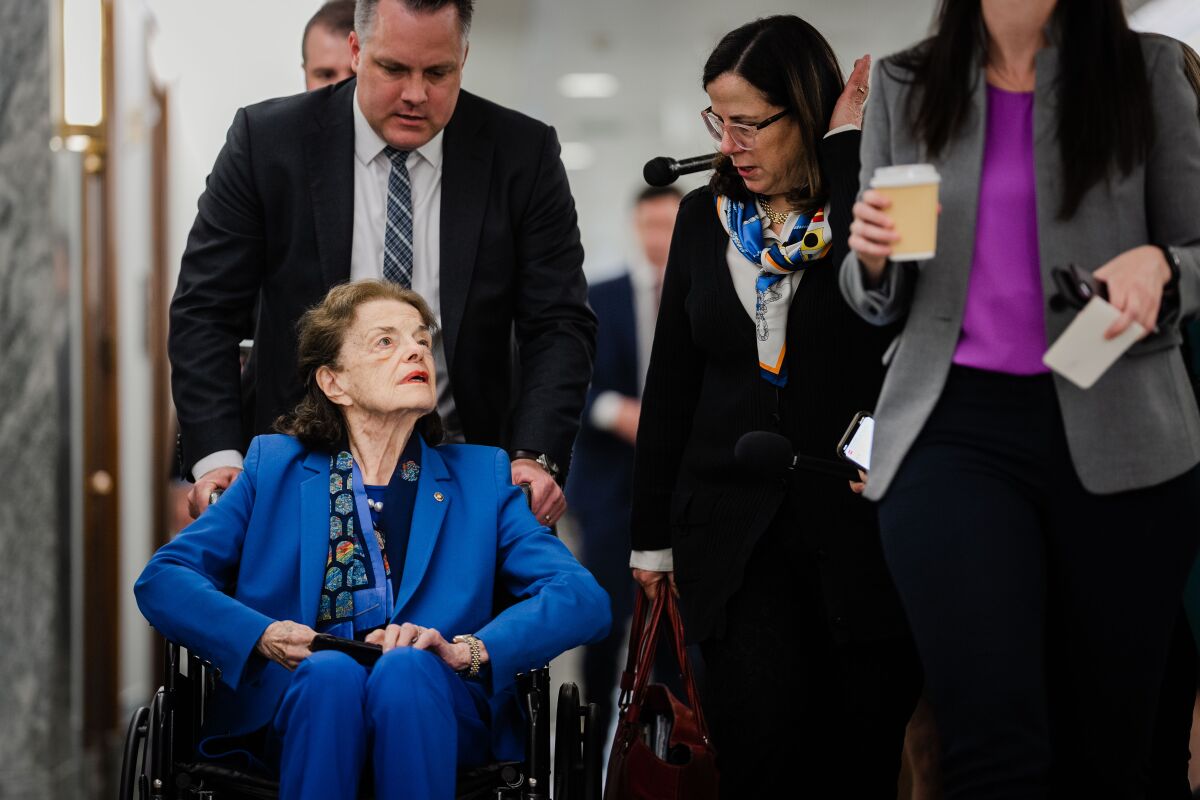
(357, 525)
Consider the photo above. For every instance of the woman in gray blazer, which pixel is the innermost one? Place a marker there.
(1039, 534)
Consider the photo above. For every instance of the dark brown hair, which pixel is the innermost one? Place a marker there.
(364, 13)
(1191, 68)
(1103, 94)
(316, 421)
(336, 16)
(790, 62)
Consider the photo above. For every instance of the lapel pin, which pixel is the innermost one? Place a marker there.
(439, 496)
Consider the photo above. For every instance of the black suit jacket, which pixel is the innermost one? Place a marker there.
(704, 391)
(602, 477)
(276, 223)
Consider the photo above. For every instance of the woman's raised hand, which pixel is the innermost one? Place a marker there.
(286, 643)
(872, 233)
(849, 108)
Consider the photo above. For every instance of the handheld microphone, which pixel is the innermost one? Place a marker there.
(769, 455)
(663, 171)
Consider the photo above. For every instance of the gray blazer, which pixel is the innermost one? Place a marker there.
(1138, 425)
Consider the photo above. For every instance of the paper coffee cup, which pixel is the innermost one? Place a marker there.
(913, 190)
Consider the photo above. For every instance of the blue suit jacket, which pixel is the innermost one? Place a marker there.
(259, 555)
(601, 481)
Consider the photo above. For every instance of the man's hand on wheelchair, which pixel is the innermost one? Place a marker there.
(220, 478)
(456, 655)
(546, 497)
(286, 643)
(650, 581)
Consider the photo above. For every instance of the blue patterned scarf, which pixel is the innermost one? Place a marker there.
(357, 589)
(809, 240)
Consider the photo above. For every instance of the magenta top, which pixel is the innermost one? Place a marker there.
(1003, 328)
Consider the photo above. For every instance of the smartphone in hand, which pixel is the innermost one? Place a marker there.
(855, 444)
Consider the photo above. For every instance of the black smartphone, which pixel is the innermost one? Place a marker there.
(1075, 288)
(363, 653)
(855, 444)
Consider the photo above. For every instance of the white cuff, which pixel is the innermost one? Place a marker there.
(849, 126)
(221, 458)
(653, 560)
(605, 410)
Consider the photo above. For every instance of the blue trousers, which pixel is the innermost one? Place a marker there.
(417, 720)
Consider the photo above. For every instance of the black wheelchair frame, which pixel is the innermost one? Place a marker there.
(160, 761)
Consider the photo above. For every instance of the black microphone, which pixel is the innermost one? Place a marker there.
(663, 171)
(769, 455)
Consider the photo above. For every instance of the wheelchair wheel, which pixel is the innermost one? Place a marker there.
(135, 738)
(567, 744)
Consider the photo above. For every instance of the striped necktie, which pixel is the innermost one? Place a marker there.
(398, 239)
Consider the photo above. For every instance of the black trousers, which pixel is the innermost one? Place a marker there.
(792, 713)
(1173, 727)
(1043, 614)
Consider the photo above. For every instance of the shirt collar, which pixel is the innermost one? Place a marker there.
(643, 274)
(368, 144)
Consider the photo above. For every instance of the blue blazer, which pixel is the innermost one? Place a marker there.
(600, 484)
(259, 554)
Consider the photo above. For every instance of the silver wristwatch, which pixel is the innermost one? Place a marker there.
(542, 461)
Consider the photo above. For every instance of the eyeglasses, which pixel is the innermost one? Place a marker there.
(742, 135)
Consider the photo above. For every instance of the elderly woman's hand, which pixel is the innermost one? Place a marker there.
(457, 655)
(848, 110)
(286, 643)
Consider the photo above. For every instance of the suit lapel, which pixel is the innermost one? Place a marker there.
(329, 152)
(429, 512)
(466, 180)
(314, 534)
(743, 324)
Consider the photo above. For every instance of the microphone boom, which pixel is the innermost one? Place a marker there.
(663, 171)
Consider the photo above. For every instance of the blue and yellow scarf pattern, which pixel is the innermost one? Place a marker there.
(808, 240)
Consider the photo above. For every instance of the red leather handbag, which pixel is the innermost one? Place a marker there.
(652, 719)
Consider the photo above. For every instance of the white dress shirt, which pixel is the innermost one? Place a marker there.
(645, 279)
(371, 171)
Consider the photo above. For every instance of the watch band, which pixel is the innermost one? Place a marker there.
(1169, 307)
(476, 653)
(542, 460)
(1173, 265)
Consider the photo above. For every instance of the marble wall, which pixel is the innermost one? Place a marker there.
(37, 754)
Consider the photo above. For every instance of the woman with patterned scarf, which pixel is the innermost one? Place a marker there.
(810, 671)
(356, 524)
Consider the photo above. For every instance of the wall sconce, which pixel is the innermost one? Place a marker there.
(82, 106)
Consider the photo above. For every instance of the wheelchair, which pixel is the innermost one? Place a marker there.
(160, 759)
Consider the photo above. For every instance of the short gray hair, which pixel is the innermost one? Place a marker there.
(364, 13)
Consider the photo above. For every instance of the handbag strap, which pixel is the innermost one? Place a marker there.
(685, 665)
(643, 631)
(643, 644)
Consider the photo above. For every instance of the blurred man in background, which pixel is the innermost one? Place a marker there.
(325, 49)
(600, 486)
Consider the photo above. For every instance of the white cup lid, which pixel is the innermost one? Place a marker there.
(905, 175)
